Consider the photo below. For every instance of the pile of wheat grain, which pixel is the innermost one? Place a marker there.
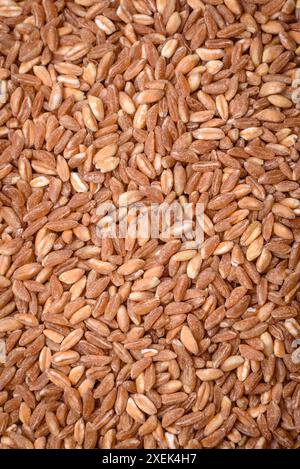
(149, 343)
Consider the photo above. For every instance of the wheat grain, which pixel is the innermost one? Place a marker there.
(143, 342)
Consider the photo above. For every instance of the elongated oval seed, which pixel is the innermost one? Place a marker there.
(110, 111)
(9, 324)
(188, 340)
(71, 339)
(145, 404)
(209, 374)
(232, 362)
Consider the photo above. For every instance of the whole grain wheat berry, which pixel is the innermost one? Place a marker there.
(149, 342)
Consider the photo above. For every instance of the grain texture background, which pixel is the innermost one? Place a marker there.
(149, 343)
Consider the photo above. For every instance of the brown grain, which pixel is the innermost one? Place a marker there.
(149, 343)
